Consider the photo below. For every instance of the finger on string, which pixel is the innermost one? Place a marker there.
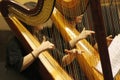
(93, 32)
(44, 38)
(110, 36)
(67, 51)
(83, 28)
(81, 15)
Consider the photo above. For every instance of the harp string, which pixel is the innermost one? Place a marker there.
(111, 18)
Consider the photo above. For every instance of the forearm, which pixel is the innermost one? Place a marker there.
(72, 42)
(27, 61)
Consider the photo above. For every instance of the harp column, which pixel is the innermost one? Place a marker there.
(101, 38)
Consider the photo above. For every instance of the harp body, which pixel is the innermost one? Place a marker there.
(91, 57)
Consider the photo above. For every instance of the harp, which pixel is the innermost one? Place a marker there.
(91, 57)
(13, 12)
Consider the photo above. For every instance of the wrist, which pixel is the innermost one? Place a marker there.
(72, 42)
(33, 55)
(80, 37)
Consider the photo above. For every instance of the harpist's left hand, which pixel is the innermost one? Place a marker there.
(85, 33)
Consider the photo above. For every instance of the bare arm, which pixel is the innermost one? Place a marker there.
(29, 59)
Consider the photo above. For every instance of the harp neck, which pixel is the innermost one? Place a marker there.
(34, 17)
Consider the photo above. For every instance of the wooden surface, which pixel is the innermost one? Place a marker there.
(3, 24)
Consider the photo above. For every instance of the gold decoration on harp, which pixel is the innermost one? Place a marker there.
(40, 18)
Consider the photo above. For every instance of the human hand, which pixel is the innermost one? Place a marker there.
(85, 33)
(70, 56)
(81, 36)
(73, 51)
(109, 39)
(78, 19)
(45, 45)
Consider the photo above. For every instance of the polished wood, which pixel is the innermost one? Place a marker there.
(98, 24)
(89, 59)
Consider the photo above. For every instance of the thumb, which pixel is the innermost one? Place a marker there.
(83, 30)
(44, 39)
(80, 51)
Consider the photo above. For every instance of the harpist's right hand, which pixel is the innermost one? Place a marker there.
(46, 45)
